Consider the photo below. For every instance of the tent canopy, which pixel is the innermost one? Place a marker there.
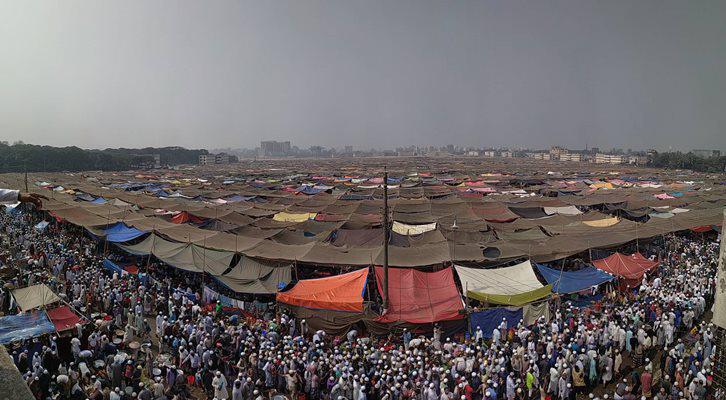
(63, 318)
(337, 293)
(35, 296)
(420, 297)
(23, 326)
(630, 267)
(516, 279)
(574, 281)
(515, 285)
(251, 276)
(119, 233)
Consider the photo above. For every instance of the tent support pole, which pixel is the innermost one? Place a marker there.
(386, 238)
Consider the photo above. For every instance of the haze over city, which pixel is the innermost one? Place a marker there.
(645, 74)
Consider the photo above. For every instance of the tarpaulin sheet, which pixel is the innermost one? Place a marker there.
(420, 297)
(111, 266)
(602, 223)
(63, 318)
(339, 293)
(529, 212)
(515, 279)
(489, 319)
(34, 296)
(407, 229)
(533, 312)
(252, 276)
(24, 326)
(293, 217)
(518, 299)
(120, 233)
(631, 267)
(573, 281)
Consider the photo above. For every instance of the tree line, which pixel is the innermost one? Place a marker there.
(678, 160)
(20, 157)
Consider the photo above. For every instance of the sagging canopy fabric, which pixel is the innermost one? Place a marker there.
(337, 293)
(24, 326)
(251, 276)
(35, 296)
(408, 229)
(120, 233)
(515, 285)
(293, 217)
(420, 297)
(629, 267)
(574, 281)
(63, 318)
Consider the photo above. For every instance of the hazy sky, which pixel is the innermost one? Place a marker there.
(630, 74)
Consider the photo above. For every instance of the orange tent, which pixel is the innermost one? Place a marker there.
(337, 293)
(631, 268)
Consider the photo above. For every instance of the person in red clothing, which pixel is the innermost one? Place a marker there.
(646, 382)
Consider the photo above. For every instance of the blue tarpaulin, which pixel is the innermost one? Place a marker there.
(309, 190)
(24, 326)
(41, 225)
(112, 266)
(122, 233)
(491, 318)
(99, 200)
(573, 281)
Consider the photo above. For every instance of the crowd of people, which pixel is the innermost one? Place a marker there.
(148, 336)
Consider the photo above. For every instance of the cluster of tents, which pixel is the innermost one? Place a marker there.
(40, 314)
(420, 298)
(445, 236)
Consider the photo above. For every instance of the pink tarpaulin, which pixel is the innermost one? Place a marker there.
(63, 318)
(420, 297)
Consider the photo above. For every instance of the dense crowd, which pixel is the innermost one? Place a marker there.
(148, 336)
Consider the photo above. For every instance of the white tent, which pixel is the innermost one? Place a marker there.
(35, 296)
(512, 280)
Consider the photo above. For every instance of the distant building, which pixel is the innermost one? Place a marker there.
(601, 158)
(209, 159)
(576, 157)
(637, 160)
(706, 153)
(221, 158)
(206, 159)
(538, 155)
(472, 153)
(557, 151)
(272, 148)
(507, 154)
(490, 153)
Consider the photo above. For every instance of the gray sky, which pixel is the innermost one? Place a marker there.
(630, 74)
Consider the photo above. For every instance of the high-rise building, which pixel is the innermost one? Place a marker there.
(273, 148)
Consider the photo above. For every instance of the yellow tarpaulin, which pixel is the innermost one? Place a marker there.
(406, 229)
(602, 223)
(293, 217)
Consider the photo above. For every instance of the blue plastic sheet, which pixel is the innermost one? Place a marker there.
(24, 326)
(121, 233)
(113, 267)
(492, 317)
(573, 281)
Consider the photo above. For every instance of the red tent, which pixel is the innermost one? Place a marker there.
(184, 217)
(420, 297)
(628, 267)
(337, 293)
(63, 318)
